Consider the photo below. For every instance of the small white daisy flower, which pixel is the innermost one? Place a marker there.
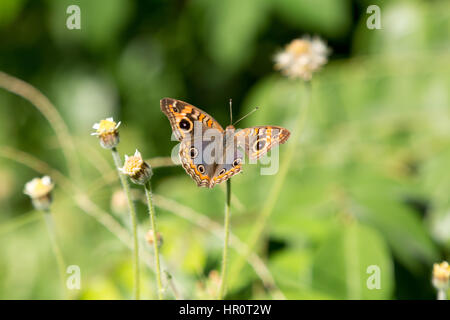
(39, 190)
(302, 57)
(136, 168)
(441, 275)
(107, 132)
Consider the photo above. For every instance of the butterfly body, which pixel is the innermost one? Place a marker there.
(210, 154)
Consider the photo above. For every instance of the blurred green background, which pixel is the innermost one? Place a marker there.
(369, 185)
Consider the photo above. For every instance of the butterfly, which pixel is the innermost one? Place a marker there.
(210, 154)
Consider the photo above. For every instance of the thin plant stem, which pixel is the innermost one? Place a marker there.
(151, 211)
(110, 176)
(223, 276)
(81, 198)
(56, 250)
(272, 198)
(172, 285)
(133, 218)
(441, 294)
(49, 111)
(202, 221)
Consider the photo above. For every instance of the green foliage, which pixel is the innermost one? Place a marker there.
(9, 9)
(102, 22)
(232, 27)
(343, 262)
(328, 17)
(368, 185)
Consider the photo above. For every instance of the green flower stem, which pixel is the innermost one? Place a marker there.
(126, 189)
(223, 276)
(56, 250)
(151, 210)
(172, 285)
(272, 197)
(441, 295)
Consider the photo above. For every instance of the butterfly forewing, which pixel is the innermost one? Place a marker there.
(182, 117)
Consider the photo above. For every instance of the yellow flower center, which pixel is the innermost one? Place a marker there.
(38, 188)
(133, 165)
(298, 47)
(106, 126)
(441, 271)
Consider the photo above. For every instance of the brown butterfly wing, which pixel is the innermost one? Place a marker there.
(229, 164)
(257, 141)
(190, 126)
(200, 170)
(183, 116)
(211, 161)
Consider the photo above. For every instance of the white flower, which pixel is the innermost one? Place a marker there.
(136, 168)
(441, 275)
(38, 187)
(132, 164)
(302, 57)
(107, 132)
(105, 126)
(39, 190)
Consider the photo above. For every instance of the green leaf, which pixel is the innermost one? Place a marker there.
(341, 267)
(291, 269)
(378, 203)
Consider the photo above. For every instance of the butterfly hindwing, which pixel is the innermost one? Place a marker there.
(230, 163)
(258, 140)
(206, 168)
(194, 163)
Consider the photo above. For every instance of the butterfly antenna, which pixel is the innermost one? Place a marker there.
(246, 115)
(231, 111)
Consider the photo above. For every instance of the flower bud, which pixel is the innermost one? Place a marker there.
(137, 169)
(150, 238)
